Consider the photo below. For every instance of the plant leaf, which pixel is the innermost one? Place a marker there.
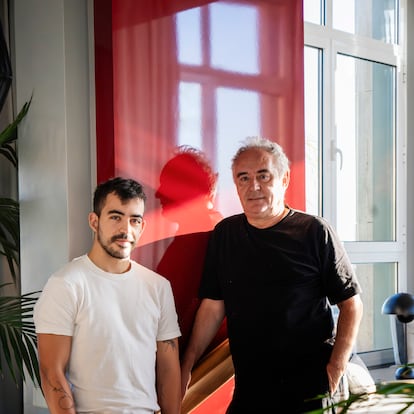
(9, 134)
(17, 335)
(9, 233)
(10, 153)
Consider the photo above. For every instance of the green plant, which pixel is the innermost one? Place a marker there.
(9, 208)
(9, 233)
(17, 331)
(390, 394)
(9, 135)
(18, 336)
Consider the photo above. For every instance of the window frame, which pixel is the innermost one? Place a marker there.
(332, 42)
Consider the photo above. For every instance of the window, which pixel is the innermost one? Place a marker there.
(219, 83)
(236, 62)
(354, 146)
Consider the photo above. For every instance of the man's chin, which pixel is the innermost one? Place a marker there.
(257, 211)
(120, 254)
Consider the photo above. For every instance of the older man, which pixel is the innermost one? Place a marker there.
(274, 272)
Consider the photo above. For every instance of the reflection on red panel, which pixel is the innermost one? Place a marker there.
(103, 91)
(186, 192)
(217, 402)
(203, 74)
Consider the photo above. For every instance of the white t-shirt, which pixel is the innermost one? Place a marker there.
(115, 321)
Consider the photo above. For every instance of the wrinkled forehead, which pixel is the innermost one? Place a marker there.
(254, 161)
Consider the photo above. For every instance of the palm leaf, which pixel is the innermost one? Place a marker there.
(17, 331)
(9, 135)
(9, 209)
(18, 336)
(9, 233)
(381, 396)
(9, 152)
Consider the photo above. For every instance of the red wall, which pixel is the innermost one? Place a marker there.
(142, 113)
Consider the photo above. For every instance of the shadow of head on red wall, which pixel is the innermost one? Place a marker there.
(186, 192)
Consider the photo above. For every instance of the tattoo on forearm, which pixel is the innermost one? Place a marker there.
(170, 343)
(65, 400)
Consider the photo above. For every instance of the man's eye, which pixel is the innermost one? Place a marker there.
(264, 177)
(243, 179)
(136, 222)
(115, 218)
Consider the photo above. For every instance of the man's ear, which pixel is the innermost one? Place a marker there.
(286, 179)
(93, 220)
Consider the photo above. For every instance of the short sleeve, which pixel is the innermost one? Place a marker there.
(55, 310)
(168, 325)
(339, 277)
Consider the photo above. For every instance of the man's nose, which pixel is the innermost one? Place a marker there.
(255, 185)
(125, 226)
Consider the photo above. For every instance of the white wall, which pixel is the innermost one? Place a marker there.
(52, 61)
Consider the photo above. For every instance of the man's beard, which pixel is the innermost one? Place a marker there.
(116, 253)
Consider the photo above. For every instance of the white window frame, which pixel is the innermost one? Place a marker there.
(332, 42)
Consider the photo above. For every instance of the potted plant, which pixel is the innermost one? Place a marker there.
(17, 331)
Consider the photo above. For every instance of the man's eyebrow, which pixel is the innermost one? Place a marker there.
(123, 214)
(240, 174)
(263, 170)
(116, 212)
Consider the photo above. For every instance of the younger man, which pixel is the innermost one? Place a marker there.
(107, 326)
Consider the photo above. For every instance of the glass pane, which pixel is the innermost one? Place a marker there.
(365, 125)
(234, 49)
(189, 130)
(312, 11)
(178, 77)
(378, 281)
(189, 37)
(375, 19)
(312, 127)
(238, 116)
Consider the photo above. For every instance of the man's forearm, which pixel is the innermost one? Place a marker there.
(54, 353)
(168, 377)
(58, 395)
(208, 320)
(350, 315)
(169, 395)
(209, 316)
(348, 325)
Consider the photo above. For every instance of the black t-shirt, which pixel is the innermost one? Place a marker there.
(277, 285)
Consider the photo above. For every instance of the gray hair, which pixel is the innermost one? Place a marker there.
(280, 160)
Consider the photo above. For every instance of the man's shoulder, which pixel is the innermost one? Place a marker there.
(302, 216)
(71, 271)
(231, 221)
(144, 273)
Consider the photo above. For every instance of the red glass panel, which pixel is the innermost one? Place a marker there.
(203, 74)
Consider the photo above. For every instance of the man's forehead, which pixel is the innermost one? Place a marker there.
(254, 161)
(113, 202)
